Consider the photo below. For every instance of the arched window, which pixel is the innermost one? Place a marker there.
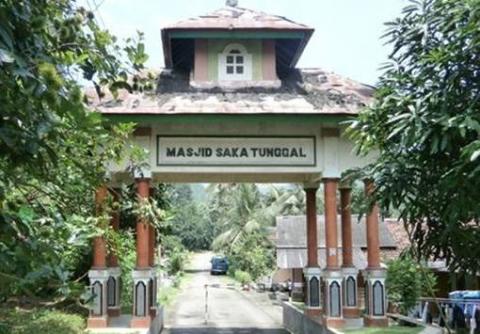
(235, 64)
(141, 300)
(111, 291)
(351, 293)
(335, 306)
(314, 292)
(378, 299)
(97, 308)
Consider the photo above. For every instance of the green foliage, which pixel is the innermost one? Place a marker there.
(14, 321)
(253, 254)
(53, 148)
(406, 282)
(176, 261)
(56, 323)
(425, 125)
(126, 248)
(191, 221)
(176, 254)
(246, 218)
(243, 277)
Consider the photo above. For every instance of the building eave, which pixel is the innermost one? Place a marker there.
(168, 34)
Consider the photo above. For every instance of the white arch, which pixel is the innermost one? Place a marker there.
(235, 46)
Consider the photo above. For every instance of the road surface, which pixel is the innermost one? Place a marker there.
(228, 310)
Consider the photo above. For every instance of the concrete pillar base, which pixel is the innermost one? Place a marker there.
(350, 293)
(334, 322)
(97, 322)
(114, 312)
(375, 294)
(144, 296)
(375, 322)
(333, 294)
(351, 313)
(313, 312)
(141, 322)
(113, 292)
(314, 295)
(98, 310)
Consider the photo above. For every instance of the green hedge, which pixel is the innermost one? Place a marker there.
(15, 321)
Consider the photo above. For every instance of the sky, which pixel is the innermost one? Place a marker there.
(347, 38)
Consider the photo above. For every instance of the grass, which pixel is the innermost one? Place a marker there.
(395, 329)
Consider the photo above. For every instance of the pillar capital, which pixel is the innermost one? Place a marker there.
(311, 185)
(142, 173)
(331, 179)
(345, 185)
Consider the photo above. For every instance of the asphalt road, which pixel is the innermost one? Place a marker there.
(227, 311)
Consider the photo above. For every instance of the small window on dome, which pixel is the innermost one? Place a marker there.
(235, 64)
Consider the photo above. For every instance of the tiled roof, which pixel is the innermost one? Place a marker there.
(306, 91)
(297, 258)
(238, 18)
(291, 242)
(292, 232)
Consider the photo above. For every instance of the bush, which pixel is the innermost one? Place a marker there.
(127, 259)
(56, 323)
(243, 277)
(406, 282)
(176, 253)
(17, 321)
(253, 254)
(176, 262)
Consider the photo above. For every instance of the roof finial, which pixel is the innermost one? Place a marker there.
(232, 3)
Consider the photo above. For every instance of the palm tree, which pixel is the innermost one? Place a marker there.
(242, 209)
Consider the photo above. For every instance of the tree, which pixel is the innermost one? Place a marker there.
(246, 217)
(53, 148)
(406, 282)
(191, 221)
(425, 126)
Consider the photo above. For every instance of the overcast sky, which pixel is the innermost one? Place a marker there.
(346, 39)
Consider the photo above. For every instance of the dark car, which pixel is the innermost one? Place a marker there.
(219, 265)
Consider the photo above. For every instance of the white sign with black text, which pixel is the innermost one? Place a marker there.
(236, 151)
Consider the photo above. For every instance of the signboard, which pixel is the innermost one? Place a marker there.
(236, 151)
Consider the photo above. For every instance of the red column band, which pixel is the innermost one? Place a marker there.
(99, 246)
(373, 241)
(346, 214)
(312, 243)
(143, 235)
(331, 238)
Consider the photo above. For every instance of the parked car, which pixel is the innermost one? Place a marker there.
(219, 265)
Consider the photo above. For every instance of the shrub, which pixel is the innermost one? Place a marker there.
(176, 262)
(406, 282)
(243, 277)
(253, 254)
(127, 258)
(56, 323)
(18, 321)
